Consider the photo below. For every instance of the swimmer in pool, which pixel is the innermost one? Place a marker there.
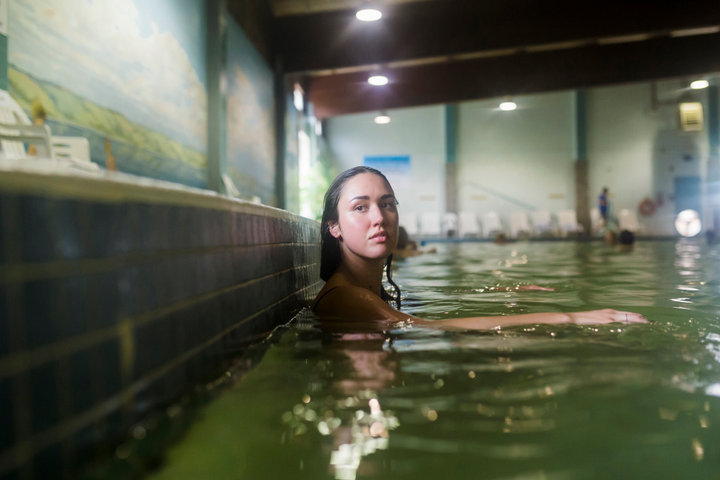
(359, 232)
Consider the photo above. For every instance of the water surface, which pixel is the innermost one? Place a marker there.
(534, 402)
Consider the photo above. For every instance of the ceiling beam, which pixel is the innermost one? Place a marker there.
(336, 40)
(592, 65)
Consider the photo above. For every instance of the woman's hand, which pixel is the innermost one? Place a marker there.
(607, 315)
(520, 288)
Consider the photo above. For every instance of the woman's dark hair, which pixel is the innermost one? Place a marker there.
(330, 256)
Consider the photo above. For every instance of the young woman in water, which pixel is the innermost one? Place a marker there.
(359, 232)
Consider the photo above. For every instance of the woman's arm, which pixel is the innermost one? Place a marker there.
(591, 317)
(357, 304)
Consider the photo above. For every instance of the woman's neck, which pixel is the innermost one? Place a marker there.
(363, 274)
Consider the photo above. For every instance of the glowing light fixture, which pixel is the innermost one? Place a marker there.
(368, 15)
(687, 223)
(378, 80)
(382, 119)
(508, 106)
(699, 84)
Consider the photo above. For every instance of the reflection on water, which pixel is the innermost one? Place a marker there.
(534, 402)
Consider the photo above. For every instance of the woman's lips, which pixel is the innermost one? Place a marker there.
(379, 237)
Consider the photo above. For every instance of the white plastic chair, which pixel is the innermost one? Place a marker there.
(449, 224)
(492, 225)
(542, 222)
(468, 225)
(628, 220)
(567, 221)
(595, 220)
(410, 222)
(16, 130)
(430, 223)
(519, 224)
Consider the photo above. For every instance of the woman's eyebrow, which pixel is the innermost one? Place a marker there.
(367, 197)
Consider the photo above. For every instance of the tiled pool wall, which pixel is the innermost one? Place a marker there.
(117, 297)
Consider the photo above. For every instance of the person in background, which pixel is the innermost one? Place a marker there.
(407, 247)
(603, 205)
(626, 240)
(359, 232)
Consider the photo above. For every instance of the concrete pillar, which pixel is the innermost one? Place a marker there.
(582, 204)
(216, 39)
(713, 177)
(451, 189)
(281, 95)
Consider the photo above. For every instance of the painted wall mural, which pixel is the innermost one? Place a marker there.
(250, 119)
(127, 74)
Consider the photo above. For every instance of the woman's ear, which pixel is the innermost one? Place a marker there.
(334, 229)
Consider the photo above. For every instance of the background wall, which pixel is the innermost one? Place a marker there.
(524, 159)
(417, 132)
(518, 160)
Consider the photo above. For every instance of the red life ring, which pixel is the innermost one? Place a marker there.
(646, 207)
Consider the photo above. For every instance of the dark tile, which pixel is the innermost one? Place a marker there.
(85, 392)
(141, 223)
(107, 358)
(103, 299)
(49, 462)
(7, 436)
(223, 269)
(44, 397)
(35, 235)
(43, 324)
(180, 224)
(157, 227)
(153, 343)
(72, 304)
(239, 235)
(133, 286)
(111, 229)
(5, 203)
(69, 229)
(4, 321)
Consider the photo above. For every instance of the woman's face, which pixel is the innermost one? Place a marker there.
(367, 224)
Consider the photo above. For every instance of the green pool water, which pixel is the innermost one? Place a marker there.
(540, 402)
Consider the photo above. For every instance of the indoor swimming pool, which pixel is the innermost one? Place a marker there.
(541, 402)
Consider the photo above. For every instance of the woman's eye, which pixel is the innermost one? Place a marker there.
(360, 208)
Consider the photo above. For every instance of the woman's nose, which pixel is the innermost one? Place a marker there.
(376, 214)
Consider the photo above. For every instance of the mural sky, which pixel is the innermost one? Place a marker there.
(144, 59)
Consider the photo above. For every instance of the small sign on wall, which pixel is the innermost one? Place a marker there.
(396, 168)
(3, 17)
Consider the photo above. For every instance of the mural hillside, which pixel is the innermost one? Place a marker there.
(134, 148)
(126, 74)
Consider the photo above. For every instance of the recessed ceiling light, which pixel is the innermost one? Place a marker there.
(368, 15)
(699, 84)
(508, 106)
(378, 80)
(382, 119)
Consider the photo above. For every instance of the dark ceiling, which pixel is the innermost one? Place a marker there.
(446, 51)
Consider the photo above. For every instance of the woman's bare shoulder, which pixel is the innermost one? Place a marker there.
(353, 303)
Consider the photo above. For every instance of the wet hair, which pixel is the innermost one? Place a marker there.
(330, 256)
(627, 237)
(403, 238)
